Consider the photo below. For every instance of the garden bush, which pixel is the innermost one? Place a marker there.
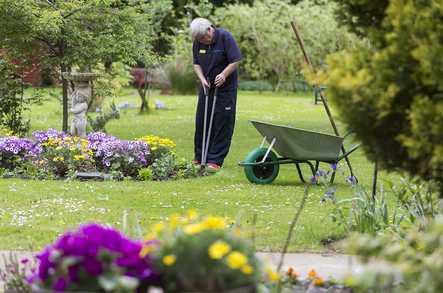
(266, 39)
(98, 123)
(255, 85)
(390, 94)
(12, 102)
(414, 260)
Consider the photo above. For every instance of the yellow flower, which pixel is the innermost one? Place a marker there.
(273, 276)
(150, 236)
(174, 221)
(219, 249)
(318, 282)
(157, 228)
(79, 157)
(312, 274)
(58, 158)
(169, 259)
(147, 249)
(247, 269)
(236, 260)
(193, 229)
(192, 214)
(214, 223)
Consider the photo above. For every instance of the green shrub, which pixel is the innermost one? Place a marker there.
(180, 69)
(145, 174)
(390, 95)
(99, 122)
(183, 80)
(265, 36)
(255, 85)
(12, 102)
(168, 166)
(414, 261)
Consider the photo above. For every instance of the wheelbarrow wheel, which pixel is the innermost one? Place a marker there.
(261, 174)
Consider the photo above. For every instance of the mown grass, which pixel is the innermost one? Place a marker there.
(33, 213)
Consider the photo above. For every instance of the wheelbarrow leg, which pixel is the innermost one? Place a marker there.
(332, 177)
(312, 167)
(316, 166)
(299, 173)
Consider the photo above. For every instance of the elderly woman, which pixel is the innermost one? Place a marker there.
(216, 57)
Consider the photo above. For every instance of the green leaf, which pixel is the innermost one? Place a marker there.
(108, 282)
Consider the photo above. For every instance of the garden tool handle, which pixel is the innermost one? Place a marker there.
(205, 90)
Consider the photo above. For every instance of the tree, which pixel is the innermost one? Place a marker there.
(266, 39)
(391, 94)
(76, 32)
(12, 101)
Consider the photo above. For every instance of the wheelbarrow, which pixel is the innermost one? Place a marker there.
(294, 146)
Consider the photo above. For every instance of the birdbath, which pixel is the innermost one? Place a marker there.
(80, 98)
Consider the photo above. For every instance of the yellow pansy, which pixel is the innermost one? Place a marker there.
(79, 157)
(214, 223)
(273, 276)
(158, 227)
(247, 269)
(192, 214)
(219, 249)
(58, 158)
(150, 236)
(169, 259)
(147, 249)
(193, 229)
(174, 221)
(236, 260)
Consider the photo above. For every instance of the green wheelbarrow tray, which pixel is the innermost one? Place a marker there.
(293, 145)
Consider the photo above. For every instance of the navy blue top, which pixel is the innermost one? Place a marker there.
(214, 58)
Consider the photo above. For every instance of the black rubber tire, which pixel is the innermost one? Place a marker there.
(263, 174)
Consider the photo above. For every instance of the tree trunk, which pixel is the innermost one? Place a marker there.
(63, 68)
(142, 92)
(144, 106)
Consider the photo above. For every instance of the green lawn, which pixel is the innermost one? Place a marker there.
(33, 213)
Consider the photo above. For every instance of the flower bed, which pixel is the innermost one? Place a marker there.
(54, 154)
(185, 253)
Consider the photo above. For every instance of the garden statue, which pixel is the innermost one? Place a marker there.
(79, 109)
(80, 98)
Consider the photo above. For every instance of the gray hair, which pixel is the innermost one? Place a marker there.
(199, 27)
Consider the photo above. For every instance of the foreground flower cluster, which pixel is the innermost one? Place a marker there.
(184, 253)
(55, 154)
(202, 254)
(92, 259)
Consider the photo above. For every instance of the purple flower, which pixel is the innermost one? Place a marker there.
(313, 180)
(60, 284)
(351, 180)
(321, 173)
(24, 260)
(334, 166)
(80, 257)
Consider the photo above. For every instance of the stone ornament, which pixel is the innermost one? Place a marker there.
(80, 97)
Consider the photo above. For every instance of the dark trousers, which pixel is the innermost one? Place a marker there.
(222, 125)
